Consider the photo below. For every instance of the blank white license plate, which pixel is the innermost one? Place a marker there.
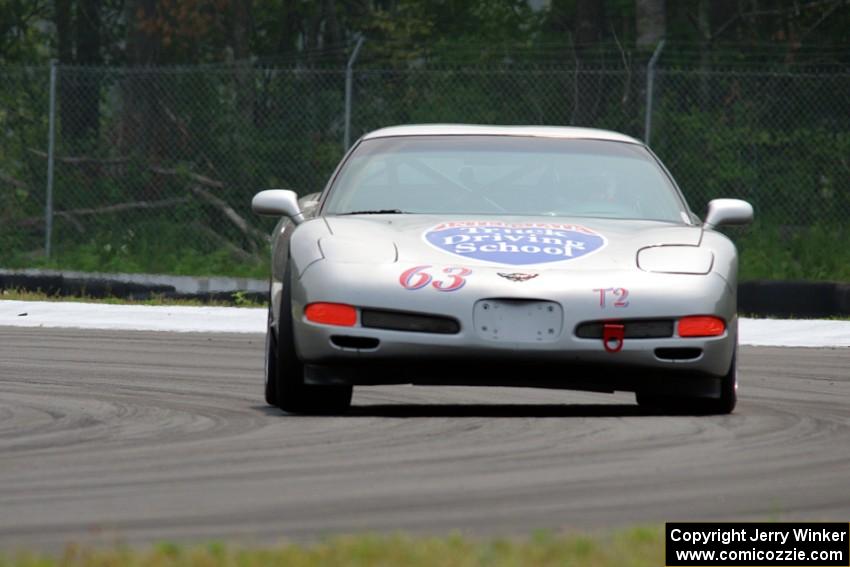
(518, 320)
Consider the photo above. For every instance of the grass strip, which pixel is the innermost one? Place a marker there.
(636, 546)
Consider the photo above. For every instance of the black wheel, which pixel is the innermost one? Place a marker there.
(285, 385)
(271, 362)
(725, 404)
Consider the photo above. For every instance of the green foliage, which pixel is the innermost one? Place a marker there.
(165, 181)
(632, 547)
(241, 300)
(189, 32)
(819, 252)
(455, 31)
(144, 247)
(21, 38)
(793, 169)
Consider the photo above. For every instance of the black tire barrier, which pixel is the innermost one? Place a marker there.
(793, 299)
(761, 298)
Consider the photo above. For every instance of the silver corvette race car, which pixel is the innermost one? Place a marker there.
(512, 256)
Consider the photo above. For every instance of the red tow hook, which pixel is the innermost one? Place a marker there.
(612, 336)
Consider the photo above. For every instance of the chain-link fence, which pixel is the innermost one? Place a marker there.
(780, 141)
(154, 168)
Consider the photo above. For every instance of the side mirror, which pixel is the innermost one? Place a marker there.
(278, 202)
(728, 212)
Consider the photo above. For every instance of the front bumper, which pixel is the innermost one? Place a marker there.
(403, 357)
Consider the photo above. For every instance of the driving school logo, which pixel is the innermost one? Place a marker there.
(516, 244)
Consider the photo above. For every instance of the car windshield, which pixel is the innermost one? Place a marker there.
(499, 175)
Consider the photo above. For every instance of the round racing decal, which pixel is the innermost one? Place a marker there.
(516, 244)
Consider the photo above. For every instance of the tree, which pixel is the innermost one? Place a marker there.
(78, 33)
(590, 18)
(86, 96)
(20, 37)
(650, 22)
(143, 43)
(243, 73)
(141, 112)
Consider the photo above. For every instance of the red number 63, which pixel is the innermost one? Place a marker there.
(418, 277)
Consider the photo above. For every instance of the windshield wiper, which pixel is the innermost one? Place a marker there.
(377, 212)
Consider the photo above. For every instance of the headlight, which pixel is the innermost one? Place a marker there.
(675, 259)
(359, 251)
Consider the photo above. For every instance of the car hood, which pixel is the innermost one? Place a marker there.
(540, 243)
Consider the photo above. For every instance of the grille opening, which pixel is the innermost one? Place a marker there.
(678, 353)
(411, 322)
(633, 329)
(347, 341)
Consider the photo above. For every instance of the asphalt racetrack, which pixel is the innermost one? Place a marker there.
(136, 436)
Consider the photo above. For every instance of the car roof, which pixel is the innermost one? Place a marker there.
(565, 132)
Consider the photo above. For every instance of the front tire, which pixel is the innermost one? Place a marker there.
(723, 405)
(285, 387)
(271, 362)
